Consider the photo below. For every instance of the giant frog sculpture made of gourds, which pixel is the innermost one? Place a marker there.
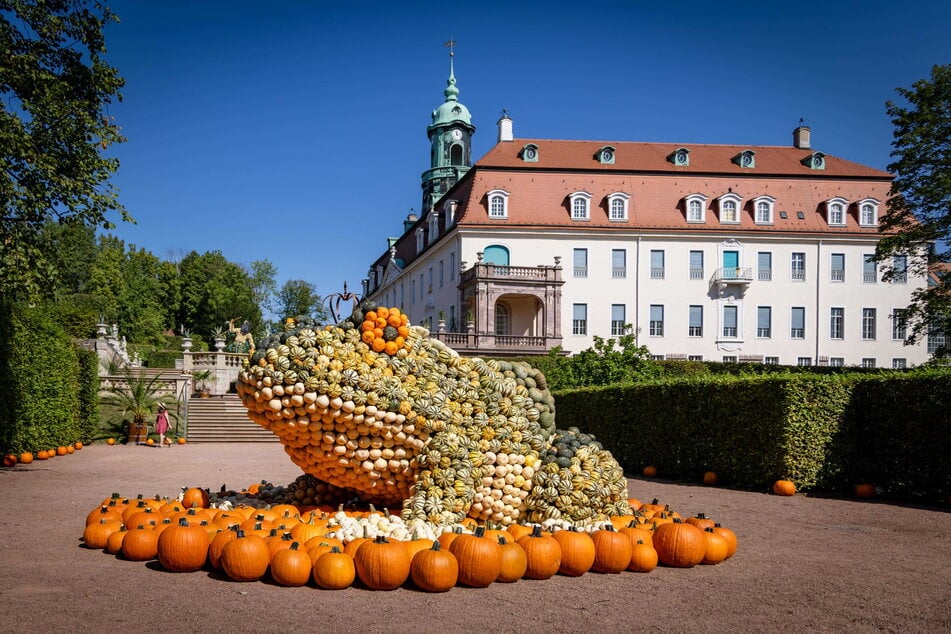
(376, 407)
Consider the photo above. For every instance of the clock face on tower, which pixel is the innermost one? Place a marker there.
(457, 134)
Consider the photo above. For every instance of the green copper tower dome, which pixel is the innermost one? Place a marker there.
(450, 136)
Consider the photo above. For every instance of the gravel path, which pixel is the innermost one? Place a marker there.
(804, 563)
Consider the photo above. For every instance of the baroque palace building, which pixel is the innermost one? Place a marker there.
(711, 252)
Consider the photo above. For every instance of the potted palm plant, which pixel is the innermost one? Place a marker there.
(201, 382)
(136, 399)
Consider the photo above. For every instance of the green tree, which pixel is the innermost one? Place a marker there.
(264, 284)
(608, 362)
(55, 89)
(299, 297)
(214, 290)
(140, 315)
(106, 282)
(917, 222)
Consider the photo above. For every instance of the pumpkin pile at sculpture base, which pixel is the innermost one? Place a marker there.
(376, 412)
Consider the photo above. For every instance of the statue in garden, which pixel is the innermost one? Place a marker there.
(243, 339)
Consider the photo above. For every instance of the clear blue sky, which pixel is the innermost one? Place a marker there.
(296, 131)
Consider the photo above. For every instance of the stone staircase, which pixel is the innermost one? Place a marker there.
(223, 419)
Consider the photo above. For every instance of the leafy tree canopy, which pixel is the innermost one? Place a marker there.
(918, 216)
(55, 89)
(299, 298)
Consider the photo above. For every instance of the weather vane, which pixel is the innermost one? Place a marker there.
(450, 44)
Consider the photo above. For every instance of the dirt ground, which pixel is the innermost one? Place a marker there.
(804, 563)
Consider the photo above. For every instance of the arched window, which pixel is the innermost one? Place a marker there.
(729, 208)
(696, 204)
(455, 155)
(498, 203)
(617, 206)
(579, 205)
(503, 319)
(868, 213)
(835, 211)
(764, 209)
(496, 254)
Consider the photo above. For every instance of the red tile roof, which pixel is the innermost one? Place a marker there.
(538, 192)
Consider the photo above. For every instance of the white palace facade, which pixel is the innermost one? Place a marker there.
(711, 252)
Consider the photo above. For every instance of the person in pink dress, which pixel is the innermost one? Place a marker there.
(161, 426)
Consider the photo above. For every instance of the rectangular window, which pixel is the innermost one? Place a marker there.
(694, 357)
(900, 269)
(421, 289)
(868, 324)
(695, 329)
(617, 319)
(730, 318)
(452, 266)
(837, 323)
(696, 265)
(764, 266)
(442, 273)
(402, 295)
(797, 323)
(868, 362)
(579, 319)
(804, 361)
(657, 320)
(729, 358)
(764, 321)
(798, 267)
(837, 272)
(899, 325)
(837, 362)
(657, 264)
(936, 338)
(618, 263)
(899, 364)
(412, 291)
(580, 262)
(771, 360)
(430, 278)
(869, 269)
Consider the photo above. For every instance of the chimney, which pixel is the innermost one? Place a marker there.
(801, 138)
(409, 222)
(505, 127)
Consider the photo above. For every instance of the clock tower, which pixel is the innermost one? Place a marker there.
(450, 136)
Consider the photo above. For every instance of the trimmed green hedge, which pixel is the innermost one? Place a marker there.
(39, 380)
(88, 414)
(825, 431)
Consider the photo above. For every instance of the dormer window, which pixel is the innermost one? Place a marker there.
(449, 209)
(580, 205)
(746, 158)
(835, 211)
(617, 206)
(868, 212)
(680, 157)
(498, 203)
(815, 161)
(606, 155)
(420, 240)
(433, 225)
(763, 210)
(730, 208)
(529, 153)
(696, 208)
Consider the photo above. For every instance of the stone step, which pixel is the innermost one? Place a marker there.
(223, 419)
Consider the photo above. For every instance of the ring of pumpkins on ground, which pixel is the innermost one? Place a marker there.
(376, 412)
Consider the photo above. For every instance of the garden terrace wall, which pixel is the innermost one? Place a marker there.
(819, 431)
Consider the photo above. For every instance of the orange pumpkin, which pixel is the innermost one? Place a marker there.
(784, 487)
(183, 547)
(729, 536)
(195, 496)
(716, 548)
(864, 490)
(382, 564)
(643, 557)
(542, 552)
(480, 559)
(10, 460)
(710, 477)
(291, 567)
(334, 570)
(701, 521)
(577, 552)
(514, 561)
(650, 471)
(140, 544)
(434, 569)
(26, 457)
(96, 534)
(612, 550)
(245, 558)
(680, 545)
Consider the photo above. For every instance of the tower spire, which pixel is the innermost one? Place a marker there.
(451, 92)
